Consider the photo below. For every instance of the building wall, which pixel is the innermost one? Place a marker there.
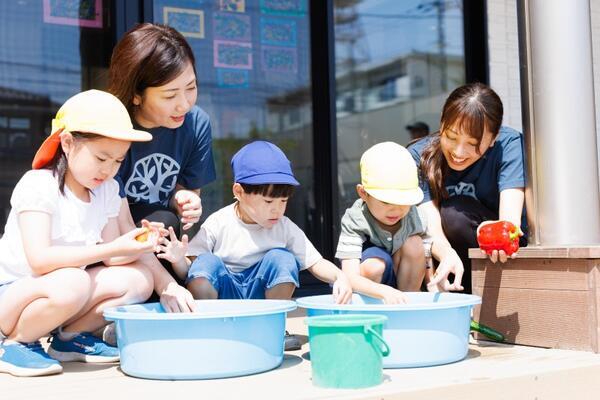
(503, 50)
(503, 47)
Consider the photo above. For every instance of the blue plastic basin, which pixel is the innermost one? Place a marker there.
(225, 338)
(432, 329)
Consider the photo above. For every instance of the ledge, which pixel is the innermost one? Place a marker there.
(591, 251)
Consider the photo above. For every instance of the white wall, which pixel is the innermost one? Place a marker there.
(503, 47)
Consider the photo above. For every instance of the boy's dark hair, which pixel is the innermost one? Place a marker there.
(58, 164)
(274, 190)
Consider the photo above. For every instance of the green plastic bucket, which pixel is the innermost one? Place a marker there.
(346, 350)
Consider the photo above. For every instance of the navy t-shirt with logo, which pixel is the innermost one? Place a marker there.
(501, 167)
(151, 170)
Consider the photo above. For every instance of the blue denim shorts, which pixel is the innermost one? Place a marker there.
(276, 267)
(389, 277)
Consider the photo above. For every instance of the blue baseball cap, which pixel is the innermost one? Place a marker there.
(262, 163)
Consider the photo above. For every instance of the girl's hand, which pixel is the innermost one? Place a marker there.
(189, 207)
(159, 227)
(172, 249)
(342, 290)
(128, 245)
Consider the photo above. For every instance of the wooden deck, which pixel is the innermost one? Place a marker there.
(490, 371)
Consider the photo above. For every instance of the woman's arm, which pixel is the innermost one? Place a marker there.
(442, 251)
(511, 205)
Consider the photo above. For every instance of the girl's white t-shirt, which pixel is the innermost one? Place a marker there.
(73, 221)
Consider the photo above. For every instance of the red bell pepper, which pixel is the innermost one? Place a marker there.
(501, 235)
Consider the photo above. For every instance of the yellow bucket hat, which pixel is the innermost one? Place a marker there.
(389, 173)
(92, 111)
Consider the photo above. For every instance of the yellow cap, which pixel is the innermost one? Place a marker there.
(389, 173)
(92, 111)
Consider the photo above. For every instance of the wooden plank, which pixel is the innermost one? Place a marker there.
(544, 318)
(557, 274)
(549, 252)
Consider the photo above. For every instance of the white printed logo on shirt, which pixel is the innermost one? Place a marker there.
(464, 189)
(153, 179)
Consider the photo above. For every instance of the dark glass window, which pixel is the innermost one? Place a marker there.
(50, 50)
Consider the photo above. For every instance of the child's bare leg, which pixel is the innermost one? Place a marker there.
(410, 261)
(111, 287)
(373, 269)
(283, 291)
(33, 306)
(201, 288)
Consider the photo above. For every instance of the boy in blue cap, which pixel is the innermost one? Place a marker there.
(249, 249)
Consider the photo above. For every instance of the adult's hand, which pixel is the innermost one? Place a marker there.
(189, 207)
(450, 263)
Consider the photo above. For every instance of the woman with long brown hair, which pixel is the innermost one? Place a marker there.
(152, 71)
(472, 173)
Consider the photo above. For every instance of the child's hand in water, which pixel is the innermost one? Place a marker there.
(392, 296)
(342, 290)
(172, 249)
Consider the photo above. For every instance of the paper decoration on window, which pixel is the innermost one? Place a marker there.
(233, 5)
(228, 26)
(283, 7)
(188, 22)
(278, 32)
(232, 54)
(74, 12)
(279, 59)
(233, 78)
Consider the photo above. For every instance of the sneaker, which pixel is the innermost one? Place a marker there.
(291, 342)
(84, 347)
(27, 359)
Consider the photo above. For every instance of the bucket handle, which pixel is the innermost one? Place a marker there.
(385, 349)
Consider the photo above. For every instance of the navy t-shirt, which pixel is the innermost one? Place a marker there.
(151, 170)
(501, 167)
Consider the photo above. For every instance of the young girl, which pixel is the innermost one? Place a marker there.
(152, 71)
(472, 173)
(64, 218)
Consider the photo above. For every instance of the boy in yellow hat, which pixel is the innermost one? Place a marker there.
(380, 246)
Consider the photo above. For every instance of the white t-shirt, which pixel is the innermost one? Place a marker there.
(242, 245)
(74, 222)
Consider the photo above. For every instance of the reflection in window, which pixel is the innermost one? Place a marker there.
(396, 61)
(253, 70)
(50, 51)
